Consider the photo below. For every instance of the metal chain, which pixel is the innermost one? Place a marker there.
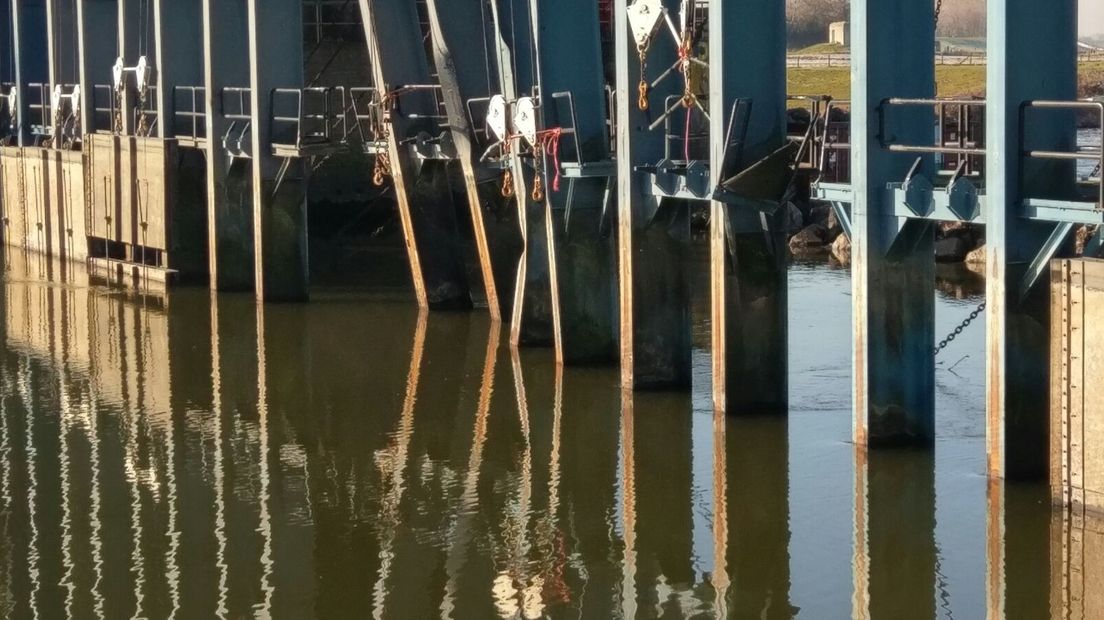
(1095, 171)
(938, 10)
(961, 328)
(381, 135)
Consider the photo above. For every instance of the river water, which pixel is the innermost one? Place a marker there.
(352, 458)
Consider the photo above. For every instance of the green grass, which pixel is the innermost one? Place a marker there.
(822, 48)
(951, 81)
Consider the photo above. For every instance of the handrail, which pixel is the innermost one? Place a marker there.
(196, 114)
(1079, 154)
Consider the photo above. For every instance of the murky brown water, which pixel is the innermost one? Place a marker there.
(206, 457)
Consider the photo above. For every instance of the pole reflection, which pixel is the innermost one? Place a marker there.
(203, 456)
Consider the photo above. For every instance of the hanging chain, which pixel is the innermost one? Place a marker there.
(538, 182)
(117, 122)
(938, 11)
(1095, 171)
(685, 63)
(381, 134)
(642, 101)
(961, 328)
(143, 120)
(508, 177)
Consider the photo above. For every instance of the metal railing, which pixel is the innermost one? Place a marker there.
(189, 113)
(1091, 153)
(807, 134)
(39, 105)
(310, 116)
(834, 146)
(959, 138)
(237, 109)
(690, 139)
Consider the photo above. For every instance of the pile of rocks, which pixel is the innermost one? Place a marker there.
(819, 231)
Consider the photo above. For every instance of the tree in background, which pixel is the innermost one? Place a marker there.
(807, 20)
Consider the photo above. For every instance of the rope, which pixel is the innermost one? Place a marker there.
(549, 142)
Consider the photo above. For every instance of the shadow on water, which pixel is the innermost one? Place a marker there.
(347, 459)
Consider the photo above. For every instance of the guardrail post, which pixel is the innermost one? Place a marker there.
(748, 251)
(279, 209)
(1032, 54)
(229, 211)
(893, 268)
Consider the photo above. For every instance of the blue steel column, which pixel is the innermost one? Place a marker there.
(97, 22)
(179, 44)
(279, 210)
(29, 56)
(464, 66)
(398, 58)
(61, 29)
(653, 240)
(229, 210)
(747, 55)
(568, 39)
(893, 269)
(1032, 54)
(135, 41)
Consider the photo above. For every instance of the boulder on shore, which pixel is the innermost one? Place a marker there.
(812, 236)
(841, 249)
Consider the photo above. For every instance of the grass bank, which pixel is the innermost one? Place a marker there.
(951, 81)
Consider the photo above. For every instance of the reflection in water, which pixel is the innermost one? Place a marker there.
(202, 456)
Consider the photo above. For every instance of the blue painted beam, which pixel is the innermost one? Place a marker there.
(394, 36)
(30, 58)
(893, 265)
(178, 27)
(98, 22)
(1031, 55)
(747, 56)
(229, 210)
(281, 271)
(653, 234)
(571, 82)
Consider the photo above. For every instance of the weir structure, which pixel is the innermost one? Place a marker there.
(546, 159)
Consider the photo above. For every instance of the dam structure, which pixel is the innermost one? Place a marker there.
(543, 162)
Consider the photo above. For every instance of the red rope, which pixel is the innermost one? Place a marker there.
(549, 142)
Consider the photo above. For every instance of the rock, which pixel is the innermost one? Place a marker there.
(820, 214)
(1082, 235)
(812, 236)
(835, 229)
(976, 256)
(951, 250)
(841, 249)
